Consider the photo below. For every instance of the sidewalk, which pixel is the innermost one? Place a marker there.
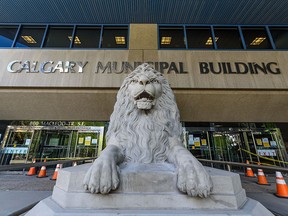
(18, 191)
(265, 193)
(13, 201)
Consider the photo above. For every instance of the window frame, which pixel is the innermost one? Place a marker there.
(74, 26)
(215, 48)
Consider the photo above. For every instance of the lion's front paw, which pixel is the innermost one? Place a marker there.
(194, 180)
(102, 177)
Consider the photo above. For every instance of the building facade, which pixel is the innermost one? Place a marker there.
(60, 72)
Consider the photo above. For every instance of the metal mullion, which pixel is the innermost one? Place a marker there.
(128, 37)
(101, 34)
(185, 37)
(270, 38)
(213, 37)
(16, 36)
(242, 38)
(44, 36)
(73, 37)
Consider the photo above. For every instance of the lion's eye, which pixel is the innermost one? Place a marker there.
(134, 81)
(154, 81)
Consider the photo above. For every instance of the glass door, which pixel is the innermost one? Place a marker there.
(16, 145)
(227, 146)
(56, 143)
(86, 144)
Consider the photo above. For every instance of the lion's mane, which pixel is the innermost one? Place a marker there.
(143, 135)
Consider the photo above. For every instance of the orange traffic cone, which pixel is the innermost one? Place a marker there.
(282, 188)
(55, 174)
(262, 178)
(32, 170)
(42, 172)
(249, 172)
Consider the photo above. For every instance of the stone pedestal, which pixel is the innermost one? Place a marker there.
(147, 190)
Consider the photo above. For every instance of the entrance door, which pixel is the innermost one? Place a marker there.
(87, 143)
(227, 146)
(16, 145)
(56, 143)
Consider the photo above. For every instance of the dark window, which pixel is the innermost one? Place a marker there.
(59, 36)
(256, 38)
(87, 37)
(114, 37)
(7, 35)
(30, 36)
(280, 37)
(199, 37)
(172, 37)
(227, 38)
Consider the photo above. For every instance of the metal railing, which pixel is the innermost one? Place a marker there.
(39, 164)
(229, 165)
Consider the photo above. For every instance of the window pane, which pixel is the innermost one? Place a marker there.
(87, 37)
(59, 36)
(114, 37)
(256, 38)
(30, 36)
(280, 37)
(199, 37)
(228, 38)
(7, 35)
(172, 37)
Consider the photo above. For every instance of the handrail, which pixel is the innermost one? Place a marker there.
(38, 164)
(49, 163)
(228, 163)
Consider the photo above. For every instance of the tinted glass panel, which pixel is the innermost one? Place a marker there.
(59, 36)
(7, 35)
(256, 38)
(172, 37)
(114, 37)
(30, 36)
(227, 38)
(87, 37)
(280, 37)
(199, 37)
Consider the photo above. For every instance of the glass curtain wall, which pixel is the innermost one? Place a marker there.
(238, 144)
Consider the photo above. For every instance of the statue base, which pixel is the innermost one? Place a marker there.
(147, 189)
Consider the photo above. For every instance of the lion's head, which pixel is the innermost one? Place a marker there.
(145, 87)
(145, 115)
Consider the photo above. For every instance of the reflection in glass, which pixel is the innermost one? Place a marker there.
(59, 36)
(256, 38)
(172, 37)
(7, 35)
(280, 37)
(199, 37)
(87, 37)
(228, 38)
(30, 36)
(114, 37)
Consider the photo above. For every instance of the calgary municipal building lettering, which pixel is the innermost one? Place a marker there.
(18, 66)
(116, 67)
(127, 67)
(239, 68)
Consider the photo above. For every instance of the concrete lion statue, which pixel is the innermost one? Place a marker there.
(145, 128)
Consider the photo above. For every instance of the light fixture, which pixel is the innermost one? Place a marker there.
(76, 39)
(166, 40)
(257, 41)
(210, 42)
(120, 40)
(29, 39)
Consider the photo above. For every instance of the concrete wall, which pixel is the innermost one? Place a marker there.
(30, 94)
